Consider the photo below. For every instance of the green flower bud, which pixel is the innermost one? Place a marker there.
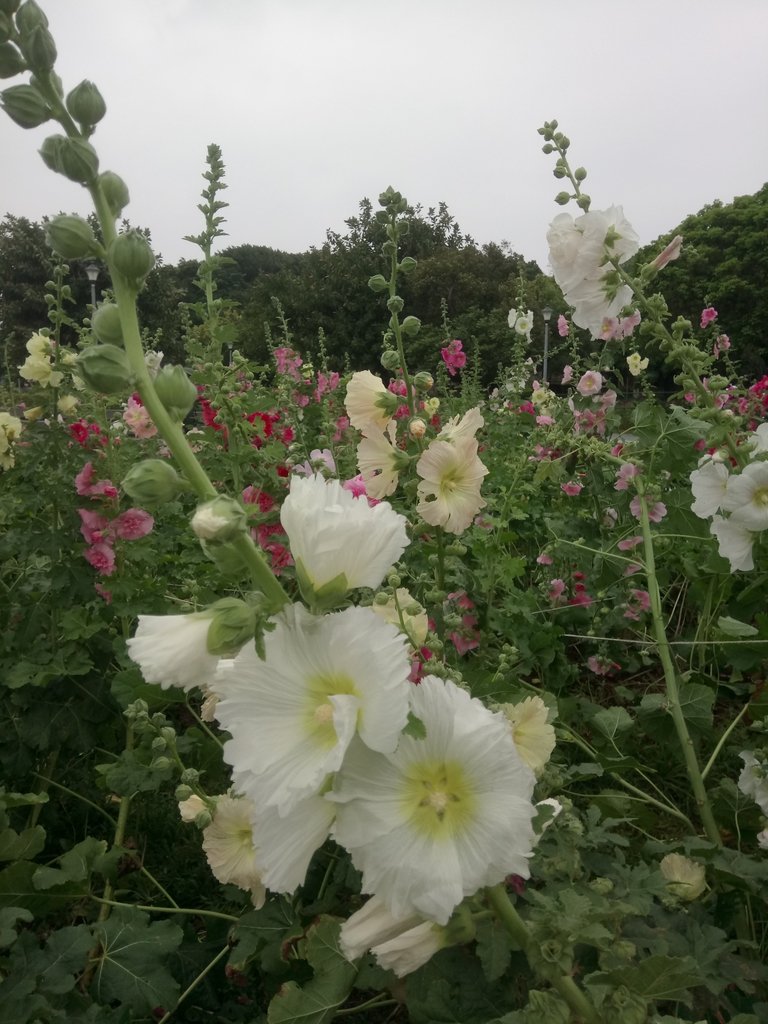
(162, 764)
(233, 625)
(24, 105)
(39, 49)
(176, 391)
(105, 324)
(203, 819)
(182, 793)
(423, 381)
(411, 326)
(105, 368)
(71, 237)
(221, 519)
(158, 745)
(406, 264)
(6, 27)
(152, 482)
(395, 304)
(190, 776)
(76, 159)
(86, 104)
(378, 283)
(8, 6)
(29, 16)
(11, 61)
(563, 198)
(390, 359)
(131, 256)
(115, 192)
(227, 559)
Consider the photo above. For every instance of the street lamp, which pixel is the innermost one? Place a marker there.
(546, 313)
(92, 272)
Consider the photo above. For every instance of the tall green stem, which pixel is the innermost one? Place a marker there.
(670, 678)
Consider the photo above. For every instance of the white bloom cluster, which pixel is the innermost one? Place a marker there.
(579, 254)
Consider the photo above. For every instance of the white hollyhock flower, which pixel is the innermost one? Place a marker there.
(380, 461)
(758, 440)
(534, 737)
(708, 484)
(449, 491)
(440, 817)
(411, 949)
(746, 495)
(753, 780)
(171, 650)
(228, 845)
(331, 533)
(734, 542)
(285, 844)
(292, 716)
(401, 945)
(368, 402)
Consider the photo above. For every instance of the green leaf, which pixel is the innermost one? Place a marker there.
(732, 627)
(318, 1001)
(266, 932)
(75, 865)
(414, 727)
(8, 918)
(17, 890)
(658, 977)
(65, 955)
(493, 949)
(131, 968)
(612, 721)
(21, 845)
(696, 702)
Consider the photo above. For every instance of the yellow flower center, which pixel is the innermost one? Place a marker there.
(319, 715)
(760, 497)
(438, 798)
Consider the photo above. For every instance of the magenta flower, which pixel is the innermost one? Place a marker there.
(707, 316)
(453, 356)
(92, 525)
(356, 485)
(132, 524)
(326, 382)
(571, 488)
(87, 487)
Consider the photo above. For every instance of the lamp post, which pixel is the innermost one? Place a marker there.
(546, 313)
(92, 272)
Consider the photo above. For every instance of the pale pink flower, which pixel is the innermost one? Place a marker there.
(707, 316)
(137, 419)
(104, 594)
(132, 524)
(326, 382)
(722, 344)
(563, 327)
(342, 424)
(544, 559)
(632, 569)
(656, 512)
(628, 324)
(556, 589)
(629, 543)
(92, 525)
(627, 471)
(590, 383)
(567, 374)
(288, 362)
(102, 557)
(609, 328)
(544, 421)
(601, 666)
(668, 253)
(571, 488)
(607, 400)
(639, 604)
(86, 486)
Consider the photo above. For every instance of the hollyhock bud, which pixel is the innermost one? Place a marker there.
(38, 48)
(233, 624)
(411, 326)
(11, 61)
(24, 105)
(105, 368)
(105, 324)
(86, 104)
(131, 256)
(71, 237)
(423, 381)
(29, 16)
(176, 391)
(75, 158)
(390, 360)
(115, 192)
(221, 519)
(378, 283)
(417, 428)
(152, 482)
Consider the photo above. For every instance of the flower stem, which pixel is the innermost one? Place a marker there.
(193, 985)
(564, 985)
(670, 679)
(167, 910)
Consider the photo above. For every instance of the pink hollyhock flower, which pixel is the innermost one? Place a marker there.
(656, 512)
(92, 526)
(316, 455)
(629, 543)
(299, 399)
(640, 602)
(87, 487)
(453, 356)
(567, 374)
(544, 421)
(103, 592)
(668, 253)
(571, 488)
(581, 598)
(632, 569)
(102, 557)
(342, 424)
(137, 419)
(556, 589)
(722, 344)
(253, 496)
(326, 382)
(132, 524)
(590, 383)
(563, 327)
(544, 559)
(707, 316)
(356, 485)
(288, 362)
(626, 472)
(609, 328)
(601, 666)
(607, 400)
(628, 324)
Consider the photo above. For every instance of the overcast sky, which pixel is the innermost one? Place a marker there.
(317, 103)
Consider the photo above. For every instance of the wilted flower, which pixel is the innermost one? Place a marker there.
(686, 878)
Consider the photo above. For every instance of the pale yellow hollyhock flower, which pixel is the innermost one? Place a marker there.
(533, 736)
(37, 366)
(462, 428)
(191, 807)
(228, 845)
(368, 402)
(414, 616)
(451, 476)
(431, 406)
(636, 364)
(30, 415)
(685, 878)
(10, 429)
(67, 404)
(380, 461)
